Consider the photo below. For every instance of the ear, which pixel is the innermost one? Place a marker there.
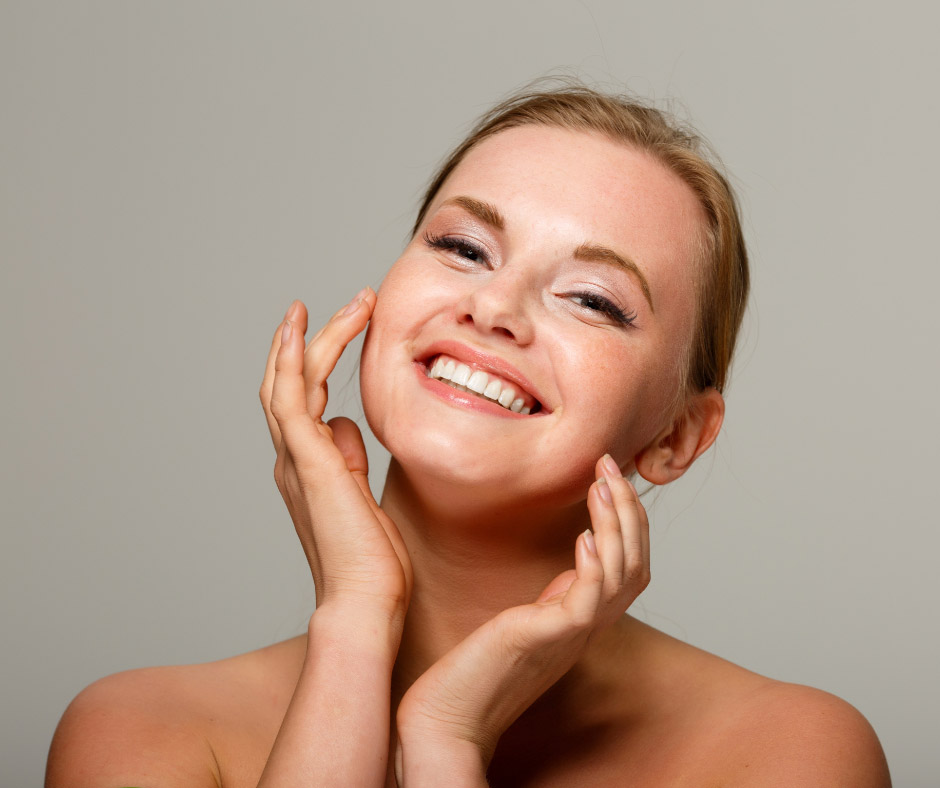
(672, 452)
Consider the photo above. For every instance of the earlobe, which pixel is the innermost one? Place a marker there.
(672, 452)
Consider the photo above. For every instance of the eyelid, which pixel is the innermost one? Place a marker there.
(452, 243)
(607, 308)
(609, 304)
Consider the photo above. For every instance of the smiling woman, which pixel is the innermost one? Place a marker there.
(562, 319)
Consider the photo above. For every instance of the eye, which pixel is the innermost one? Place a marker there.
(597, 303)
(461, 247)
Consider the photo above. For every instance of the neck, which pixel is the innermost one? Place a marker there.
(472, 559)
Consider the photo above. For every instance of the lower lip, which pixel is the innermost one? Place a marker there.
(462, 399)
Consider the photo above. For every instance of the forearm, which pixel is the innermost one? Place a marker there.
(336, 730)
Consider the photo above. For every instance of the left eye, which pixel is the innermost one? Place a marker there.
(597, 303)
(459, 246)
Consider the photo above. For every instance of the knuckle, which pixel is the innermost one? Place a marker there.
(636, 569)
(582, 618)
(612, 589)
(279, 410)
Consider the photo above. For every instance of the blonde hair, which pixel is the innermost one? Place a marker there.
(724, 279)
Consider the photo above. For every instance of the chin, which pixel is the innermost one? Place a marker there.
(440, 453)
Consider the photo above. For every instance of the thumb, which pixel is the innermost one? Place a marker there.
(348, 440)
(558, 586)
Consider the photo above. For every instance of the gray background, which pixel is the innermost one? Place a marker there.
(172, 174)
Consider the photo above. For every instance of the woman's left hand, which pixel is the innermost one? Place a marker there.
(451, 718)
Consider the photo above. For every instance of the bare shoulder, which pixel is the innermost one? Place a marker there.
(726, 725)
(780, 733)
(176, 725)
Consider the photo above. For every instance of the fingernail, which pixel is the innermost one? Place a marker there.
(286, 332)
(589, 541)
(352, 307)
(356, 302)
(603, 489)
(290, 309)
(612, 468)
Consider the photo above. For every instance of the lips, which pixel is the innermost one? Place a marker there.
(489, 378)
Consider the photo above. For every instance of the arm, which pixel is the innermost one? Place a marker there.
(149, 727)
(336, 729)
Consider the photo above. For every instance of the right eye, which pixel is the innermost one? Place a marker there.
(457, 246)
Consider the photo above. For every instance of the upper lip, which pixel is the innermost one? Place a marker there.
(484, 361)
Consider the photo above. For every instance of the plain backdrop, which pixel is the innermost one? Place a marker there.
(172, 174)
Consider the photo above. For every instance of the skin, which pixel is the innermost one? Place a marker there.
(471, 629)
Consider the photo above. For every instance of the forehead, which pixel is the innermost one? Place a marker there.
(569, 187)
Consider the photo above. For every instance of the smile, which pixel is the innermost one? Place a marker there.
(488, 386)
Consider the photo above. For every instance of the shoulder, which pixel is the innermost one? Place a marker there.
(789, 734)
(738, 728)
(166, 725)
(132, 727)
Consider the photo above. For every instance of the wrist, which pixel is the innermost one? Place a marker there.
(356, 629)
(430, 761)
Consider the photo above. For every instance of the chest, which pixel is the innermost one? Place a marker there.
(669, 754)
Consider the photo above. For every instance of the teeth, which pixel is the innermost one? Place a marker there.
(461, 375)
(492, 390)
(463, 378)
(477, 382)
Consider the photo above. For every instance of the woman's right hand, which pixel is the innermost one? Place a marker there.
(356, 554)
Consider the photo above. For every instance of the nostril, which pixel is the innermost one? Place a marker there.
(467, 319)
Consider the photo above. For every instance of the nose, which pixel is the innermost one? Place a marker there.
(500, 305)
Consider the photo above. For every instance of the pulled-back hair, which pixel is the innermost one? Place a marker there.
(724, 279)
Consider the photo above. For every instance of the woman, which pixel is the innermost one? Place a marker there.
(562, 319)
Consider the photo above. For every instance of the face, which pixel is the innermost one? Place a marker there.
(554, 272)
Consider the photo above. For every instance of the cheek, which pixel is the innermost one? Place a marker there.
(385, 326)
(378, 349)
(624, 399)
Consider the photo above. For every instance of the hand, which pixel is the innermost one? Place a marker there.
(355, 551)
(467, 699)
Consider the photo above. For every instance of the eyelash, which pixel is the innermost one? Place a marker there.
(603, 305)
(591, 301)
(459, 245)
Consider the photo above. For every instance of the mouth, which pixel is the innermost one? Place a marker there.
(486, 384)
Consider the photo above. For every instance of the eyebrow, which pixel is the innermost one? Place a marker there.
(586, 252)
(594, 253)
(482, 210)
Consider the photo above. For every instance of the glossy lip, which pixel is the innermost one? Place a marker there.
(477, 359)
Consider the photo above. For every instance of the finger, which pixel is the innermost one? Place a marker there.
(299, 432)
(295, 312)
(348, 439)
(584, 595)
(634, 525)
(328, 345)
(644, 525)
(605, 521)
